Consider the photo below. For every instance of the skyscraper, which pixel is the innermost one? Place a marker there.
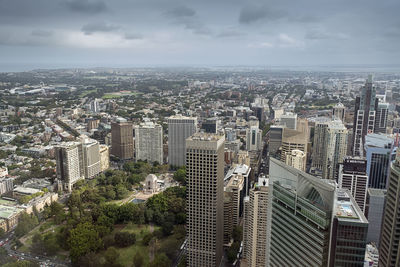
(205, 189)
(295, 140)
(296, 159)
(299, 216)
(179, 128)
(230, 134)
(149, 142)
(382, 111)
(289, 120)
(253, 139)
(364, 116)
(389, 251)
(334, 149)
(330, 145)
(210, 125)
(104, 157)
(312, 223)
(274, 138)
(349, 232)
(380, 151)
(91, 157)
(353, 176)
(255, 224)
(374, 213)
(122, 139)
(234, 191)
(338, 111)
(320, 136)
(69, 164)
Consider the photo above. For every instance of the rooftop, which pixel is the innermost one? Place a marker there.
(180, 116)
(7, 212)
(26, 190)
(242, 169)
(262, 182)
(7, 202)
(378, 140)
(204, 137)
(377, 192)
(347, 209)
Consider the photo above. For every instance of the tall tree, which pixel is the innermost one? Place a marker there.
(83, 239)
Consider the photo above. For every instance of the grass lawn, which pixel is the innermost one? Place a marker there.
(85, 93)
(118, 94)
(42, 228)
(126, 254)
(128, 199)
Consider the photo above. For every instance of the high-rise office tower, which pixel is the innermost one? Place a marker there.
(230, 134)
(389, 250)
(274, 137)
(300, 212)
(349, 232)
(334, 149)
(92, 124)
(69, 164)
(371, 256)
(94, 106)
(379, 151)
(381, 117)
(353, 176)
(179, 128)
(296, 159)
(122, 139)
(255, 224)
(312, 223)
(91, 157)
(364, 116)
(289, 120)
(295, 140)
(339, 111)
(205, 192)
(149, 142)
(330, 145)
(253, 139)
(234, 192)
(258, 112)
(374, 213)
(104, 157)
(210, 125)
(242, 170)
(320, 136)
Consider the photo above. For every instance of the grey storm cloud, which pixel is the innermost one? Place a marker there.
(230, 34)
(42, 33)
(86, 6)
(322, 35)
(133, 36)
(251, 14)
(91, 28)
(183, 15)
(200, 31)
(181, 11)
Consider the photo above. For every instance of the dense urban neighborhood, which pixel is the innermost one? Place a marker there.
(216, 166)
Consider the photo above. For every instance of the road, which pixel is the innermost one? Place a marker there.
(44, 261)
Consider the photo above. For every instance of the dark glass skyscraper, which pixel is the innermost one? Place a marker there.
(379, 152)
(389, 250)
(311, 222)
(364, 116)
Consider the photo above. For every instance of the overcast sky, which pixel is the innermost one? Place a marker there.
(76, 33)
